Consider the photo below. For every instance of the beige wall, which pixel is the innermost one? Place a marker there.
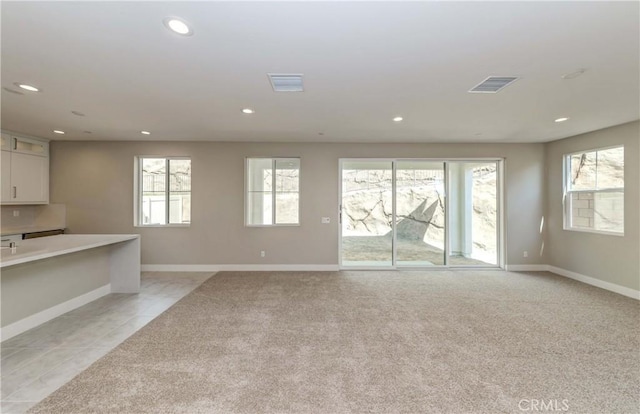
(95, 181)
(609, 258)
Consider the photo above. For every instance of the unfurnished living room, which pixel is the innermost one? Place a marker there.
(320, 207)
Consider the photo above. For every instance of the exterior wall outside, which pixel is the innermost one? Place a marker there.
(95, 181)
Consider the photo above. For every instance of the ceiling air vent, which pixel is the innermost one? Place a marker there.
(493, 84)
(286, 82)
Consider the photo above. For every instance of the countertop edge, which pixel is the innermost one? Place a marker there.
(109, 239)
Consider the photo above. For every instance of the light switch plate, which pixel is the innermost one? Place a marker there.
(326, 220)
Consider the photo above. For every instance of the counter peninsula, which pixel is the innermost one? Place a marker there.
(45, 277)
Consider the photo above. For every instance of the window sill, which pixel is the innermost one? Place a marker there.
(602, 232)
(272, 225)
(161, 225)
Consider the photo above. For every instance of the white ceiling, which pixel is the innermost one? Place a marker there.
(363, 64)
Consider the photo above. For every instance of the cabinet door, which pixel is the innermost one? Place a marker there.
(5, 172)
(29, 178)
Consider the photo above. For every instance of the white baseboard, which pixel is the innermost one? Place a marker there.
(527, 268)
(46, 315)
(632, 293)
(612, 287)
(244, 268)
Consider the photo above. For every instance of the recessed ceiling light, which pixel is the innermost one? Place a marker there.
(145, 132)
(574, 75)
(178, 26)
(26, 87)
(561, 119)
(248, 111)
(57, 131)
(397, 119)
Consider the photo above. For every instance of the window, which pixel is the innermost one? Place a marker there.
(594, 191)
(163, 191)
(272, 191)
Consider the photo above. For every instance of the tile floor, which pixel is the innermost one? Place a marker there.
(41, 360)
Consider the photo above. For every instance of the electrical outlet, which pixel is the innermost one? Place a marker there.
(263, 253)
(525, 254)
(326, 220)
(16, 213)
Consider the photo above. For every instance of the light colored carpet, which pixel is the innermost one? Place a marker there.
(376, 342)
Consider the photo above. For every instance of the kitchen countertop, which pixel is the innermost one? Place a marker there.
(45, 247)
(27, 229)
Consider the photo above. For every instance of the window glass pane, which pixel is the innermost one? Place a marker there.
(611, 168)
(485, 209)
(259, 187)
(581, 210)
(155, 197)
(473, 206)
(262, 175)
(153, 202)
(592, 200)
(267, 179)
(259, 174)
(420, 215)
(287, 175)
(583, 171)
(608, 211)
(287, 208)
(367, 207)
(287, 187)
(179, 191)
(259, 210)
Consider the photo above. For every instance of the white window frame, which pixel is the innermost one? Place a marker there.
(274, 160)
(137, 192)
(567, 192)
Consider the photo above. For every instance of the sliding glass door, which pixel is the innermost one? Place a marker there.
(473, 213)
(366, 214)
(419, 213)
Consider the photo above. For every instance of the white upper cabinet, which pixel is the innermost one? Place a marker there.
(25, 170)
(6, 175)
